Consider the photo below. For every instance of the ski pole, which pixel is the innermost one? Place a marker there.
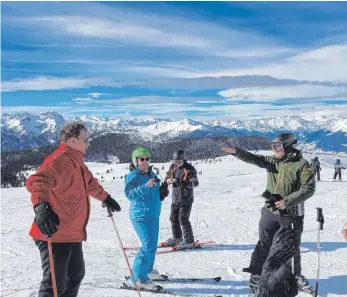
(51, 264)
(320, 220)
(110, 214)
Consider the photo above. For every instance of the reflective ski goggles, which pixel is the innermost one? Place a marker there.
(275, 146)
(178, 162)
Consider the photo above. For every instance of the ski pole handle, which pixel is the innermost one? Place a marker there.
(320, 217)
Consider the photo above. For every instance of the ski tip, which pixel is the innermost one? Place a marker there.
(217, 279)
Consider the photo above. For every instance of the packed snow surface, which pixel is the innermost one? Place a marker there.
(226, 210)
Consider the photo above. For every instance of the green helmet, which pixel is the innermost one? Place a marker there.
(141, 151)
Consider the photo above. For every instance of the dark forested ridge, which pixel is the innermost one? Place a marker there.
(103, 148)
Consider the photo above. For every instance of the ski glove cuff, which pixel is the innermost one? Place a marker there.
(46, 219)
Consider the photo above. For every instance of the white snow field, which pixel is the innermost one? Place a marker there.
(226, 210)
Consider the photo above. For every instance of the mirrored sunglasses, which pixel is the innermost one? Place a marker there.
(144, 159)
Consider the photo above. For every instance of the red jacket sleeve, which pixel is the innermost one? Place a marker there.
(93, 187)
(40, 185)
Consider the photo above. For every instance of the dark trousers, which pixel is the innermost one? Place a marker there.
(268, 226)
(337, 173)
(68, 266)
(179, 218)
(317, 174)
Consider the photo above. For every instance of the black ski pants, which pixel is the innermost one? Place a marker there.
(317, 173)
(179, 218)
(268, 226)
(337, 173)
(68, 265)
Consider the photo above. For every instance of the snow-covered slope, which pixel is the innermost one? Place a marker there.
(25, 130)
(226, 210)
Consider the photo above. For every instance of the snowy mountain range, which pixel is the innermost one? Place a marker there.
(24, 130)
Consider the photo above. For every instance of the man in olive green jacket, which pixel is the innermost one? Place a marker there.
(290, 181)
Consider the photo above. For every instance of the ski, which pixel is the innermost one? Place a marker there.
(160, 290)
(200, 246)
(188, 280)
(161, 245)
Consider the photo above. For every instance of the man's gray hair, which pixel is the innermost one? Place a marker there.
(72, 129)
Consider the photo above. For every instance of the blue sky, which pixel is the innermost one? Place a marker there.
(202, 60)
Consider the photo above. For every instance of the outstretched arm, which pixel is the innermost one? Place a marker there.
(258, 160)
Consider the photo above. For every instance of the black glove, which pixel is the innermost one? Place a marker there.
(111, 205)
(46, 219)
(164, 190)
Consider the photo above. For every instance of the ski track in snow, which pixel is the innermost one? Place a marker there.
(226, 210)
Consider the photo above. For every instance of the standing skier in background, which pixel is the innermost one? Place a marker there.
(315, 164)
(338, 168)
(183, 178)
(142, 188)
(290, 181)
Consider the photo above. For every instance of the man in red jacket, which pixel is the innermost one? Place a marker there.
(60, 192)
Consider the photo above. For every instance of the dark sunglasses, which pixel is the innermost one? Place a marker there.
(143, 159)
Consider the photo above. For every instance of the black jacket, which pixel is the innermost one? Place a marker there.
(186, 180)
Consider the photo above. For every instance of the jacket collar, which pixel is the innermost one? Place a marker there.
(294, 156)
(145, 173)
(63, 147)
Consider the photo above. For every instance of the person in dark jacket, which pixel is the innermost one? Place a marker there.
(290, 181)
(60, 192)
(183, 178)
(276, 278)
(315, 164)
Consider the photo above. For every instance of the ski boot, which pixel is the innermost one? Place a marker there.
(171, 242)
(183, 245)
(303, 284)
(148, 285)
(156, 276)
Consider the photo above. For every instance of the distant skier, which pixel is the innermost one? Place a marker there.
(290, 181)
(183, 178)
(276, 278)
(338, 168)
(142, 188)
(315, 164)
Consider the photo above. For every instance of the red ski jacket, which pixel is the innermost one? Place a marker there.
(65, 182)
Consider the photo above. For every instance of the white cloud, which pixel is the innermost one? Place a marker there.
(55, 83)
(82, 99)
(162, 31)
(283, 92)
(95, 95)
(324, 64)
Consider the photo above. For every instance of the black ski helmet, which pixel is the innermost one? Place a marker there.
(178, 155)
(287, 140)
